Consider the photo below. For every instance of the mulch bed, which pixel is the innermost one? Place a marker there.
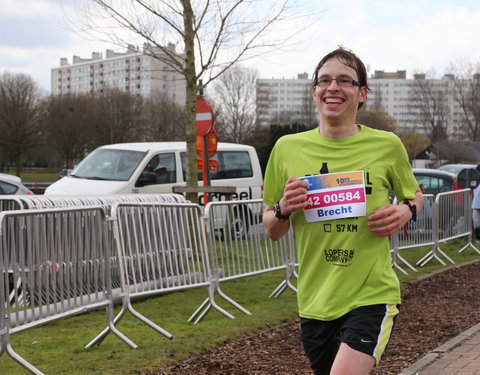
(434, 310)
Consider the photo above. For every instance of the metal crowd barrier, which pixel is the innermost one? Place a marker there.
(54, 264)
(419, 233)
(445, 216)
(10, 202)
(163, 249)
(452, 219)
(238, 247)
(16, 202)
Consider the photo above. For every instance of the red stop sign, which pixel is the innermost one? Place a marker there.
(204, 116)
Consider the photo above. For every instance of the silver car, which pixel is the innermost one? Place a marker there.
(12, 185)
(456, 168)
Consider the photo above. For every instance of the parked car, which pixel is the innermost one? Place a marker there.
(434, 181)
(456, 168)
(13, 185)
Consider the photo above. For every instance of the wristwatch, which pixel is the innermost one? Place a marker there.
(278, 212)
(413, 209)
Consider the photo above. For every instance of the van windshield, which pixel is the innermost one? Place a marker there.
(108, 164)
(225, 165)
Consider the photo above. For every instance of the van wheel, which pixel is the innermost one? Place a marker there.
(240, 223)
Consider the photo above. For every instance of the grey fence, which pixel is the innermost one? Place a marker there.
(163, 249)
(238, 248)
(54, 264)
(20, 202)
(445, 216)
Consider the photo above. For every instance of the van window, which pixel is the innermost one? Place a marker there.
(109, 164)
(163, 167)
(229, 164)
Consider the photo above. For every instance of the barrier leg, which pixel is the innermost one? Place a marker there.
(445, 255)
(395, 264)
(111, 328)
(404, 261)
(214, 288)
(149, 322)
(22, 361)
(286, 283)
(5, 346)
(469, 244)
(115, 331)
(202, 311)
(205, 304)
(232, 302)
(425, 259)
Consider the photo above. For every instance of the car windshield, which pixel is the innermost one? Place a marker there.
(455, 168)
(109, 164)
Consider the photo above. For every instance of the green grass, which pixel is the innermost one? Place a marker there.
(37, 176)
(58, 347)
(450, 248)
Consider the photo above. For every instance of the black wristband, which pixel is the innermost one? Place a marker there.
(413, 209)
(278, 212)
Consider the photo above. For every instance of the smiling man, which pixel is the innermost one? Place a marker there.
(331, 184)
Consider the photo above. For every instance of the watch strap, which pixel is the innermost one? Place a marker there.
(413, 209)
(278, 212)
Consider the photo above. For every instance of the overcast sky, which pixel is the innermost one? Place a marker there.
(390, 35)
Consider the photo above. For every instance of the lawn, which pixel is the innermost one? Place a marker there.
(37, 176)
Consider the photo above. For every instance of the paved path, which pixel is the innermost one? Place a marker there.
(459, 356)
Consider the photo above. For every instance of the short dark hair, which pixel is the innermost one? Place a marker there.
(348, 58)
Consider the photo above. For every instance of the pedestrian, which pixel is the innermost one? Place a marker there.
(476, 211)
(331, 184)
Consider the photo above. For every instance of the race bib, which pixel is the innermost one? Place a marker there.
(335, 196)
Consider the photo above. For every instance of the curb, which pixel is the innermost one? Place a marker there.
(442, 349)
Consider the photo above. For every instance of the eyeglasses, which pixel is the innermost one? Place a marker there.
(343, 82)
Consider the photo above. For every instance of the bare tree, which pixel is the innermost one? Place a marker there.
(430, 99)
(214, 34)
(67, 121)
(414, 142)
(375, 117)
(467, 95)
(164, 119)
(20, 116)
(115, 117)
(234, 98)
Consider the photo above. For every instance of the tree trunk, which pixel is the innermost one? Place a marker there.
(190, 107)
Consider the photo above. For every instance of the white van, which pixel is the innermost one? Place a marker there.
(156, 167)
(144, 168)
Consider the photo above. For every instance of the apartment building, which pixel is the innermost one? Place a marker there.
(395, 92)
(285, 100)
(133, 71)
(288, 100)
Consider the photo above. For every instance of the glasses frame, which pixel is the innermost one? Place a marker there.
(351, 82)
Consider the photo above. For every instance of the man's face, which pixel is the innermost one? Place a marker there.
(338, 104)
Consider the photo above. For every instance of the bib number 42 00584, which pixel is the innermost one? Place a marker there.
(333, 197)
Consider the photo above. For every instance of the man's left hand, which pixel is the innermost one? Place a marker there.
(388, 219)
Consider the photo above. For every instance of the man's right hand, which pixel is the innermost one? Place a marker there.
(294, 196)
